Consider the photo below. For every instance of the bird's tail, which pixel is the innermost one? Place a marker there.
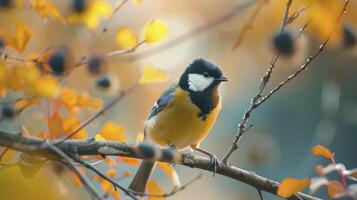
(141, 178)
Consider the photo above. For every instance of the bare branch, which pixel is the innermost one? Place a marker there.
(308, 61)
(104, 176)
(174, 191)
(264, 82)
(260, 194)
(257, 100)
(125, 51)
(70, 163)
(89, 147)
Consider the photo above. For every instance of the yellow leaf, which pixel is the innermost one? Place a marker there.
(154, 189)
(22, 36)
(127, 174)
(115, 194)
(55, 125)
(335, 189)
(100, 8)
(7, 156)
(46, 8)
(126, 38)
(84, 100)
(169, 170)
(69, 99)
(129, 161)
(112, 172)
(290, 186)
(110, 161)
(16, 82)
(71, 124)
(106, 185)
(76, 181)
(47, 87)
(322, 151)
(25, 103)
(30, 74)
(152, 75)
(113, 132)
(90, 17)
(155, 31)
(99, 138)
(137, 2)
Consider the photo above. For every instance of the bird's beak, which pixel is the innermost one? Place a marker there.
(222, 78)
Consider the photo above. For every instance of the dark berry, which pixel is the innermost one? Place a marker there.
(284, 43)
(349, 37)
(104, 82)
(8, 111)
(94, 65)
(57, 62)
(79, 5)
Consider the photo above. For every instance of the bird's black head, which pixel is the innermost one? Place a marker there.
(200, 75)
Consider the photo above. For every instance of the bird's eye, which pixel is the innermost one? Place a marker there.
(205, 74)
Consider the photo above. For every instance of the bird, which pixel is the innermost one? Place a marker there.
(183, 115)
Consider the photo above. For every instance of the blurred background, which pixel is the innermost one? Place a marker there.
(318, 107)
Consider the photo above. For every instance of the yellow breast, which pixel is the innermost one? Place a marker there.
(179, 124)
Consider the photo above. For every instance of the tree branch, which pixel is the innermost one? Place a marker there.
(255, 99)
(258, 99)
(90, 147)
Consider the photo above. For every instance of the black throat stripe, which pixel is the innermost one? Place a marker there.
(206, 101)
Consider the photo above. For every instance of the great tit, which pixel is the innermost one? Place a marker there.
(183, 115)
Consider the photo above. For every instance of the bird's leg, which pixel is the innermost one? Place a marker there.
(172, 146)
(171, 150)
(214, 160)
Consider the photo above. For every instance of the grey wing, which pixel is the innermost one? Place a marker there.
(164, 99)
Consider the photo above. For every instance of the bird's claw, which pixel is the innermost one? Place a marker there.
(215, 162)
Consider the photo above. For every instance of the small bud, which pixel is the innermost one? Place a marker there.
(104, 82)
(349, 37)
(284, 43)
(109, 83)
(79, 6)
(58, 61)
(8, 111)
(95, 65)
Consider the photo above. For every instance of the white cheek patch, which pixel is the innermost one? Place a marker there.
(198, 82)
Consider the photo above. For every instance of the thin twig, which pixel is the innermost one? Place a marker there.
(174, 191)
(101, 112)
(125, 51)
(225, 17)
(308, 61)
(104, 176)
(260, 194)
(296, 14)
(70, 163)
(82, 59)
(249, 24)
(264, 82)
